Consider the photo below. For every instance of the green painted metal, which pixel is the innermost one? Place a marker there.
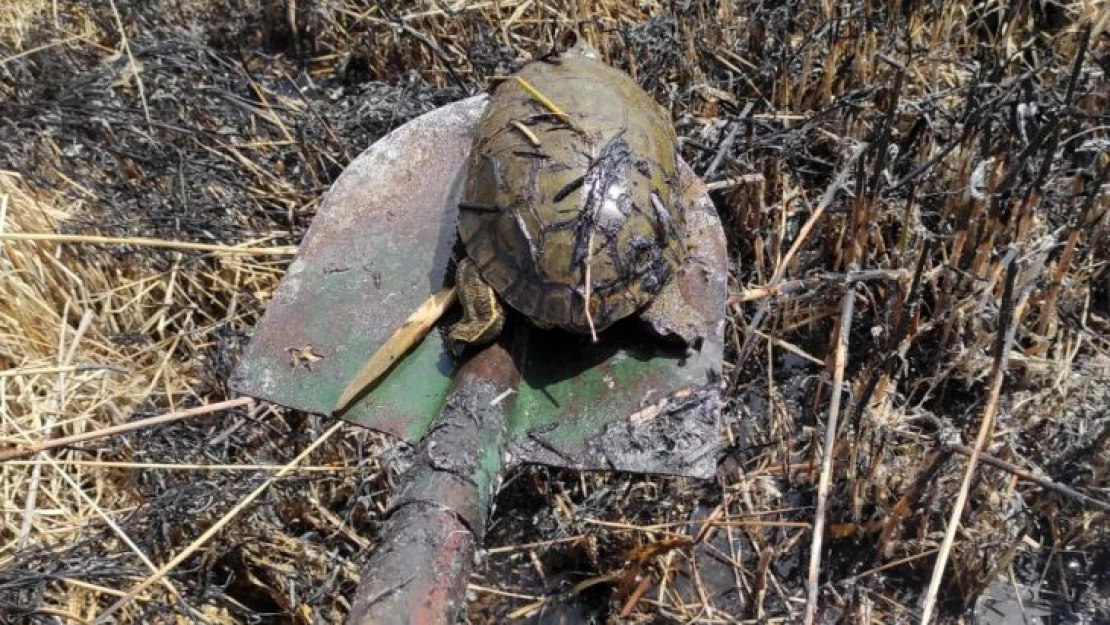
(379, 246)
(569, 401)
(416, 388)
(376, 249)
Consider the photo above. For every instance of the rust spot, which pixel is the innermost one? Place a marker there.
(302, 356)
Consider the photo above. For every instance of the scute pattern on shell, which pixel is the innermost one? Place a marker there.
(531, 212)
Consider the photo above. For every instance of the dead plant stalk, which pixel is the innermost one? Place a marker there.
(54, 404)
(839, 359)
(170, 417)
(49, 237)
(1010, 315)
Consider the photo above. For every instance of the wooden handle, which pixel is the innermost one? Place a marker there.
(418, 572)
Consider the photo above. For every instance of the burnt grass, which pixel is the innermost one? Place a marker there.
(955, 158)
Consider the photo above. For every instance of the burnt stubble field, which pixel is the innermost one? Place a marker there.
(915, 195)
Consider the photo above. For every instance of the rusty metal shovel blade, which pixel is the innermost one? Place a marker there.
(380, 245)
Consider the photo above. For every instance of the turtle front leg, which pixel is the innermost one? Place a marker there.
(483, 317)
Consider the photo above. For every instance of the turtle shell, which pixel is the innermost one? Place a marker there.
(547, 196)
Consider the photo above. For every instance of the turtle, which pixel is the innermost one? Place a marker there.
(570, 211)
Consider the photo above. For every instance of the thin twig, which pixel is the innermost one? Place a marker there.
(546, 102)
(1026, 475)
(878, 569)
(15, 373)
(53, 405)
(821, 279)
(170, 417)
(528, 134)
(839, 360)
(133, 65)
(588, 285)
(37, 49)
(171, 466)
(803, 234)
(49, 237)
(726, 145)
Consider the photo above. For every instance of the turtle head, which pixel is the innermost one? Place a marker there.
(580, 48)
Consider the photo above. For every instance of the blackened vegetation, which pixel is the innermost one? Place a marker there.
(979, 141)
(608, 184)
(609, 169)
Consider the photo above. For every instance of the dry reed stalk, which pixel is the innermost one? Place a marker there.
(123, 428)
(52, 409)
(132, 65)
(285, 250)
(828, 450)
(1036, 479)
(169, 466)
(1010, 318)
(783, 264)
(403, 339)
(30, 372)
